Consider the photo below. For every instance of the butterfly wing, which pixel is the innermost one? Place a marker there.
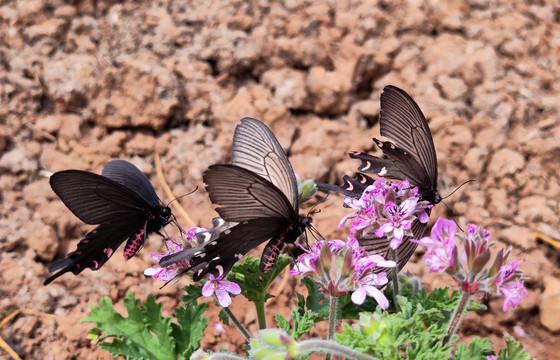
(243, 195)
(219, 255)
(404, 124)
(132, 178)
(255, 148)
(375, 245)
(353, 187)
(96, 199)
(96, 247)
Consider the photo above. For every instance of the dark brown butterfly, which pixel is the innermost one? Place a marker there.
(258, 191)
(121, 201)
(410, 155)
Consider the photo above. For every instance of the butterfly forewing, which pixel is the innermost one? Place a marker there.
(255, 148)
(243, 195)
(95, 199)
(402, 122)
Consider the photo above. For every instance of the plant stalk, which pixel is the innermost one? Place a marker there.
(320, 345)
(261, 316)
(395, 278)
(457, 317)
(237, 324)
(333, 303)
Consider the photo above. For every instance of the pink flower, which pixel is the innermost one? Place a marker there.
(467, 258)
(440, 246)
(222, 289)
(170, 272)
(386, 210)
(340, 267)
(368, 285)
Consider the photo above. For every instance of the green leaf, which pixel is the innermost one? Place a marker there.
(145, 333)
(315, 300)
(477, 350)
(513, 350)
(253, 282)
(190, 330)
(193, 293)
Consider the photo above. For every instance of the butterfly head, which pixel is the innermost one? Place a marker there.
(164, 215)
(431, 195)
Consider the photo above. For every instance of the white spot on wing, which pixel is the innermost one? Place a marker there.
(383, 171)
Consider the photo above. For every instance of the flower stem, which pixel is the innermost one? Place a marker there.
(237, 324)
(395, 278)
(259, 306)
(457, 317)
(333, 302)
(330, 347)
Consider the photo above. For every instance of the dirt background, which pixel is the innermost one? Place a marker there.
(83, 82)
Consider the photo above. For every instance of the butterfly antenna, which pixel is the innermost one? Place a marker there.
(316, 234)
(453, 192)
(177, 224)
(321, 200)
(452, 216)
(182, 196)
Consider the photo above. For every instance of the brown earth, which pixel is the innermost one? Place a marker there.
(83, 82)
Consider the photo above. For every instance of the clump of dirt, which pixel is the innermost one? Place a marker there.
(87, 81)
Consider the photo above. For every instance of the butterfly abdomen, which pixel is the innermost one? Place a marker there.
(135, 243)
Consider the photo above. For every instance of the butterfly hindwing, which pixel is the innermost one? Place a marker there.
(132, 178)
(95, 248)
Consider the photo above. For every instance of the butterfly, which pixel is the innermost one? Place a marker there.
(258, 192)
(121, 201)
(410, 155)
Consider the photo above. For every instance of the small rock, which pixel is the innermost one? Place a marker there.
(518, 236)
(535, 209)
(288, 86)
(17, 161)
(140, 144)
(550, 306)
(328, 91)
(506, 162)
(49, 124)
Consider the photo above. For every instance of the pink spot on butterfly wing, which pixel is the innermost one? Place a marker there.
(108, 252)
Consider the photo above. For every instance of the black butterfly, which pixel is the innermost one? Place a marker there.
(124, 204)
(410, 155)
(259, 193)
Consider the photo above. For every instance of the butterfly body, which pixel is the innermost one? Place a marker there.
(258, 191)
(121, 201)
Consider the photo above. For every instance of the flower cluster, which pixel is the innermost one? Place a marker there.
(170, 272)
(467, 259)
(222, 288)
(340, 267)
(387, 210)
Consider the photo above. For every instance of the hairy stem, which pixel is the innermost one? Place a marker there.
(261, 316)
(333, 302)
(395, 278)
(457, 317)
(237, 324)
(331, 348)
